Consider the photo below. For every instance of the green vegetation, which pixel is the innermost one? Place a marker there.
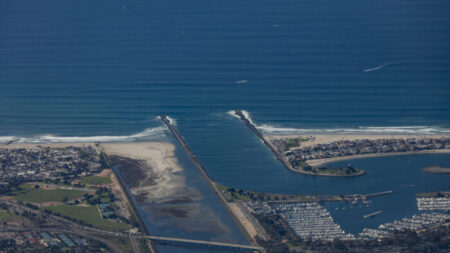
(326, 171)
(344, 171)
(30, 194)
(96, 180)
(295, 142)
(232, 194)
(88, 215)
(102, 195)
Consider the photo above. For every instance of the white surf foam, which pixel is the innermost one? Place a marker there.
(172, 121)
(391, 130)
(241, 81)
(147, 134)
(245, 113)
(399, 130)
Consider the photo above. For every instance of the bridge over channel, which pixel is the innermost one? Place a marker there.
(205, 244)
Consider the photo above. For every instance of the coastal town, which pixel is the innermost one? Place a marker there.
(71, 191)
(298, 152)
(60, 186)
(48, 164)
(63, 198)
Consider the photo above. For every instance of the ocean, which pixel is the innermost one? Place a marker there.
(104, 70)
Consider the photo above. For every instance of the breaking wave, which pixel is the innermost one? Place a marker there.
(172, 121)
(147, 134)
(245, 113)
(398, 130)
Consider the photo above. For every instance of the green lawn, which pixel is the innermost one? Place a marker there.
(89, 215)
(30, 194)
(95, 180)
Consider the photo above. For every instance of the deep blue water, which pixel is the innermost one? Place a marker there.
(108, 68)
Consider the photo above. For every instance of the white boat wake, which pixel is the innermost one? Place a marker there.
(378, 67)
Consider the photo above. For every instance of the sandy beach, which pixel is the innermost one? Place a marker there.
(328, 138)
(160, 158)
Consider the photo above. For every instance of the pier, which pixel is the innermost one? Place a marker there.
(370, 195)
(207, 178)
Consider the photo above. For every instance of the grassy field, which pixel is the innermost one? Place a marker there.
(30, 194)
(242, 195)
(346, 171)
(96, 180)
(88, 215)
(6, 216)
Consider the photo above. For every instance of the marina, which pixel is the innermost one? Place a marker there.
(310, 221)
(431, 204)
(415, 223)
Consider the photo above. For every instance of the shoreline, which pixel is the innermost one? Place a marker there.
(160, 156)
(328, 138)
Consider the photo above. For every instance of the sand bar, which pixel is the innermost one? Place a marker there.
(159, 156)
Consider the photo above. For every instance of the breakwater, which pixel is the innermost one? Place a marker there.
(206, 176)
(253, 128)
